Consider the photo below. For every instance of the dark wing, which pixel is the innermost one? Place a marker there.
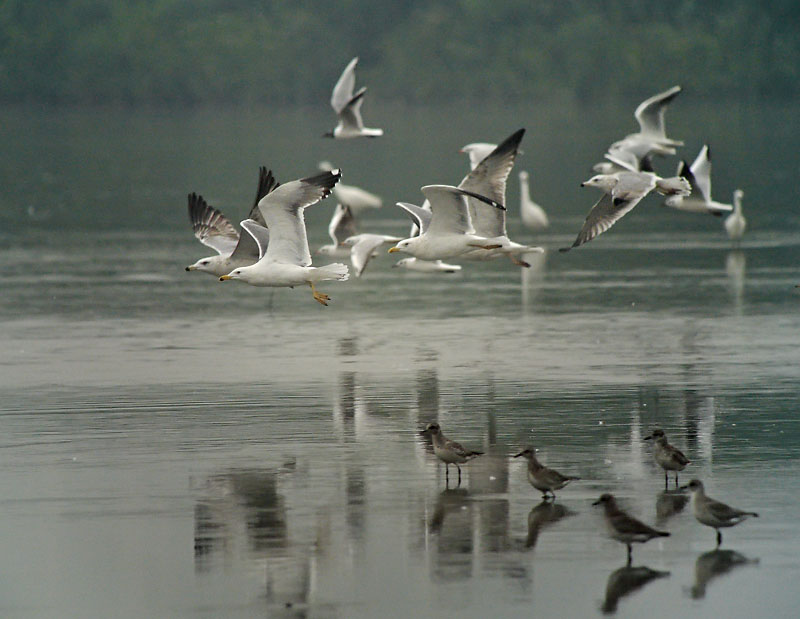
(210, 226)
(248, 246)
(459, 449)
(625, 524)
(343, 224)
(604, 214)
(678, 455)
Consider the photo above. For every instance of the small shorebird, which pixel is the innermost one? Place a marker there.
(625, 528)
(713, 513)
(448, 451)
(666, 456)
(542, 478)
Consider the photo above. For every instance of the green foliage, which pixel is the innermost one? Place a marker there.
(240, 51)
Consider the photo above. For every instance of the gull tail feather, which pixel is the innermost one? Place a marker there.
(337, 271)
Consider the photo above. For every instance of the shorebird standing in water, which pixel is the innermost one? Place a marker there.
(625, 528)
(448, 451)
(542, 478)
(666, 456)
(713, 513)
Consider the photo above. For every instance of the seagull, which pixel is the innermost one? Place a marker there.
(542, 478)
(699, 177)
(533, 215)
(286, 261)
(488, 179)
(448, 451)
(446, 228)
(348, 106)
(668, 457)
(426, 266)
(357, 199)
(213, 229)
(625, 528)
(652, 136)
(342, 225)
(623, 191)
(735, 224)
(713, 513)
(363, 246)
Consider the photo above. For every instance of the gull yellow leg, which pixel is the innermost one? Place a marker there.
(320, 297)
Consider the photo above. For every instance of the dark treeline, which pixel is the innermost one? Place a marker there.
(244, 52)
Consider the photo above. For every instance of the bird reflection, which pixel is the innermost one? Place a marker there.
(625, 581)
(532, 277)
(735, 268)
(669, 503)
(454, 542)
(711, 564)
(543, 515)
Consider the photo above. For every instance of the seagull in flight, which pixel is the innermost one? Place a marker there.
(348, 106)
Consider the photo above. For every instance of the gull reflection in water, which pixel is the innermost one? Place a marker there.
(711, 564)
(532, 277)
(242, 518)
(669, 503)
(544, 515)
(453, 544)
(625, 581)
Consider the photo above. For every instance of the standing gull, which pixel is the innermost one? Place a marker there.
(625, 528)
(713, 513)
(533, 215)
(348, 106)
(286, 262)
(448, 451)
(214, 230)
(735, 223)
(542, 478)
(699, 177)
(667, 456)
(621, 192)
(446, 230)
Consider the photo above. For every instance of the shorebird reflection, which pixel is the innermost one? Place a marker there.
(625, 581)
(711, 564)
(543, 515)
(454, 543)
(669, 503)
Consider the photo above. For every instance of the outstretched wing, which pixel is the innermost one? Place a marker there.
(701, 168)
(420, 216)
(283, 212)
(342, 225)
(604, 214)
(343, 90)
(210, 226)
(247, 246)
(489, 179)
(259, 235)
(650, 113)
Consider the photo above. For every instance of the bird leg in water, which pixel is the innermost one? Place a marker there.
(320, 297)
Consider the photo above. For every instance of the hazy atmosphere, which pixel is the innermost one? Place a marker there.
(357, 426)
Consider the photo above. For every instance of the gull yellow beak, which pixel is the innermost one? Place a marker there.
(393, 249)
(225, 277)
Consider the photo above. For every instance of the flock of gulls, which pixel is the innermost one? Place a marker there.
(620, 525)
(464, 222)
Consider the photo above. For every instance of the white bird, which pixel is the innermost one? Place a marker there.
(446, 230)
(426, 266)
(714, 513)
(652, 136)
(735, 224)
(363, 246)
(342, 225)
(348, 106)
(621, 192)
(477, 152)
(488, 179)
(286, 261)
(533, 215)
(699, 177)
(215, 230)
(358, 199)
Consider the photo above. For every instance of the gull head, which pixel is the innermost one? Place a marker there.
(606, 182)
(204, 264)
(405, 245)
(235, 274)
(351, 240)
(403, 263)
(674, 201)
(326, 250)
(431, 428)
(523, 176)
(693, 486)
(738, 194)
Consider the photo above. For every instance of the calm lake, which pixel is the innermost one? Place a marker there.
(173, 446)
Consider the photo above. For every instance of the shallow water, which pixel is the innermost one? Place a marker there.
(175, 446)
